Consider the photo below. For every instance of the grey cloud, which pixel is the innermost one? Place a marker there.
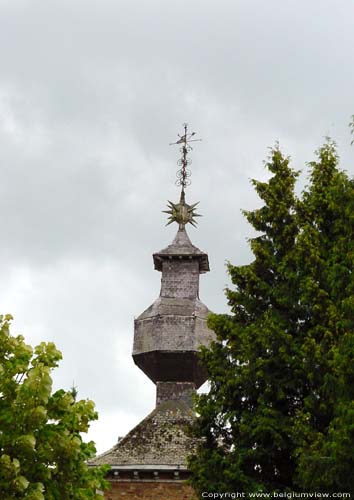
(91, 95)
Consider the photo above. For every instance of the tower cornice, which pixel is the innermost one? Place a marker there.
(182, 248)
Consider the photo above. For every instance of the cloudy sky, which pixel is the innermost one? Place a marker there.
(91, 94)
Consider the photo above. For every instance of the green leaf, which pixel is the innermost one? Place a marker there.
(42, 454)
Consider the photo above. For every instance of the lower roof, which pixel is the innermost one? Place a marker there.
(159, 441)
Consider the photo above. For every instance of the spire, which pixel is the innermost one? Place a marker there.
(181, 212)
(167, 338)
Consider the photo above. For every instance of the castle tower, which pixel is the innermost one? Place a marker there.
(151, 460)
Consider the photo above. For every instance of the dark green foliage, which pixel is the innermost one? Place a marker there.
(280, 414)
(42, 453)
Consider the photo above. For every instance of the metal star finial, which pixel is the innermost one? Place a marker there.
(181, 212)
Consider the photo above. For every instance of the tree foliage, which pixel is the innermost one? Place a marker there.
(42, 454)
(280, 412)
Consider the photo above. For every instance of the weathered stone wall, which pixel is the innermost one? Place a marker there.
(180, 278)
(165, 391)
(150, 491)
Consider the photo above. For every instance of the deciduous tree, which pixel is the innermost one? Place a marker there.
(42, 453)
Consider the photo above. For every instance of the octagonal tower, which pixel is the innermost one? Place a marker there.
(151, 461)
(168, 334)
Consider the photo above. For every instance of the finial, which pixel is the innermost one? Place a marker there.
(183, 173)
(181, 212)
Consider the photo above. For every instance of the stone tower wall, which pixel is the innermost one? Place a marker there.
(180, 279)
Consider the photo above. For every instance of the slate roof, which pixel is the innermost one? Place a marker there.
(160, 439)
(181, 246)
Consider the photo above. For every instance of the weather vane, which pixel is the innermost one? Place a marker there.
(181, 212)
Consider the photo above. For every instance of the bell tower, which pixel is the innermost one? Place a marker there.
(152, 459)
(168, 334)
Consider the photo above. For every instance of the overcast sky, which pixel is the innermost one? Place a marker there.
(91, 94)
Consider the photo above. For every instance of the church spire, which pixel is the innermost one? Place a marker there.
(181, 212)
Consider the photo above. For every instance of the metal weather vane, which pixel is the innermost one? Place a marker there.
(181, 212)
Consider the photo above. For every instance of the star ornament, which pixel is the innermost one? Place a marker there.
(182, 213)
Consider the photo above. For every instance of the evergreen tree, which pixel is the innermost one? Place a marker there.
(279, 413)
(325, 423)
(42, 453)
